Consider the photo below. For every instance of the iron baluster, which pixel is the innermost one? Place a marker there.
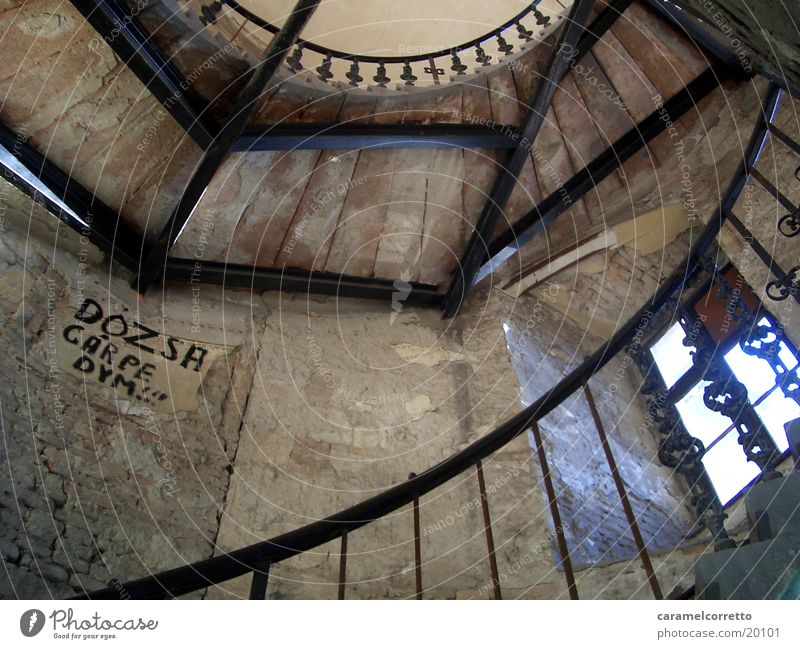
(481, 56)
(523, 33)
(487, 527)
(434, 71)
(641, 548)
(209, 13)
(408, 74)
(354, 75)
(561, 538)
(294, 59)
(343, 565)
(417, 545)
(324, 69)
(458, 67)
(380, 78)
(258, 586)
(502, 45)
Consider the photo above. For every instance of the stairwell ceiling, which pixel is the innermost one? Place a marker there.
(391, 28)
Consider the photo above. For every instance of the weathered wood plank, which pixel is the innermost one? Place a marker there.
(443, 222)
(582, 136)
(398, 252)
(280, 103)
(612, 120)
(355, 241)
(357, 108)
(267, 223)
(148, 207)
(266, 220)
(553, 168)
(321, 106)
(506, 108)
(211, 230)
(678, 48)
(111, 139)
(627, 77)
(642, 45)
(442, 239)
(309, 237)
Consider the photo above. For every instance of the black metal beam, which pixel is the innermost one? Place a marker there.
(300, 137)
(123, 32)
(300, 281)
(600, 25)
(85, 213)
(513, 238)
(221, 146)
(506, 180)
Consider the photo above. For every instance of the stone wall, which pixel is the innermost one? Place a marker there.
(596, 529)
(94, 487)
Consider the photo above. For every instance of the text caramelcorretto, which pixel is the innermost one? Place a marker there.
(702, 615)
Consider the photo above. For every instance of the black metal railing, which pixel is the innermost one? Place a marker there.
(435, 67)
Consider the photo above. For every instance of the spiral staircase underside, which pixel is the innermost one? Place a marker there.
(363, 212)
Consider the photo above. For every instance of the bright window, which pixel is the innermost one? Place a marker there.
(672, 358)
(725, 461)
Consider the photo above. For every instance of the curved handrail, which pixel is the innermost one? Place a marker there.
(325, 51)
(189, 578)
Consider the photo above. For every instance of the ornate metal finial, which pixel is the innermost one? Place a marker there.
(523, 33)
(353, 75)
(481, 56)
(293, 60)
(380, 78)
(209, 13)
(458, 67)
(324, 69)
(541, 19)
(408, 74)
(503, 46)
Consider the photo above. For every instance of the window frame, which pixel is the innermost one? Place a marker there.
(687, 314)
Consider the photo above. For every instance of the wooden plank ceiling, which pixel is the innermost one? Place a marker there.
(407, 214)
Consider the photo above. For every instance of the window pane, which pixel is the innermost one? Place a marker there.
(701, 422)
(754, 372)
(728, 467)
(672, 358)
(775, 411)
